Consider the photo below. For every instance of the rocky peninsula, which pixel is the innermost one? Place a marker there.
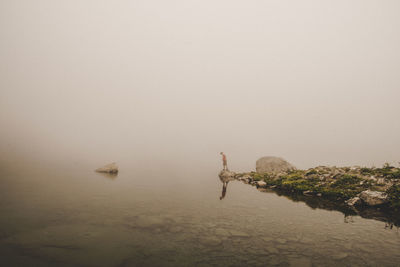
(352, 190)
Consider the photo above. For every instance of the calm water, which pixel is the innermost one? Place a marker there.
(73, 216)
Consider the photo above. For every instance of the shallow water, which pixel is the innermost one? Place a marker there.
(76, 217)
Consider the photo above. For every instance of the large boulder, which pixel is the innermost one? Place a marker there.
(109, 168)
(373, 198)
(273, 165)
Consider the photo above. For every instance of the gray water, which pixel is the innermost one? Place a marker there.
(72, 216)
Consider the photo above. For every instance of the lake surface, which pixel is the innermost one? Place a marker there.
(72, 216)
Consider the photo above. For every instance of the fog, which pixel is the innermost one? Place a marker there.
(176, 82)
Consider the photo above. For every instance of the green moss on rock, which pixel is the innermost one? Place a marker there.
(336, 183)
(394, 196)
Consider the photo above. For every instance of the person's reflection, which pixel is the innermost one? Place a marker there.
(389, 225)
(348, 218)
(225, 178)
(224, 186)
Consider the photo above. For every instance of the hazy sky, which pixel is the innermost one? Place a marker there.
(314, 81)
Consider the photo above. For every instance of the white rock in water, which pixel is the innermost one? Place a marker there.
(261, 184)
(373, 198)
(353, 201)
(308, 193)
(109, 168)
(273, 165)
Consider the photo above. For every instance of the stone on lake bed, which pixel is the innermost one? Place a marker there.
(238, 233)
(149, 221)
(272, 250)
(300, 262)
(222, 232)
(109, 168)
(175, 229)
(281, 240)
(267, 239)
(340, 256)
(275, 260)
(306, 240)
(210, 241)
(74, 244)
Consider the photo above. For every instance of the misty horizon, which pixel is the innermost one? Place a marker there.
(313, 82)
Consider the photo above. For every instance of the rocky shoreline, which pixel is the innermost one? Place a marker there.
(358, 190)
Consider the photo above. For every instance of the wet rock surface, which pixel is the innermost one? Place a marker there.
(111, 168)
(373, 198)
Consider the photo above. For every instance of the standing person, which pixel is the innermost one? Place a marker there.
(224, 161)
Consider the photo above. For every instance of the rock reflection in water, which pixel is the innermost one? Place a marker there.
(365, 212)
(111, 176)
(390, 218)
(225, 176)
(320, 203)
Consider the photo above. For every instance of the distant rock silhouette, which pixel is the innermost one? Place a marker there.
(273, 165)
(109, 168)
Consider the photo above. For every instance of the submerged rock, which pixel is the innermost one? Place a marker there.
(237, 233)
(300, 262)
(222, 232)
(273, 165)
(210, 241)
(281, 240)
(109, 168)
(340, 256)
(373, 198)
(175, 229)
(272, 250)
(73, 244)
(146, 221)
